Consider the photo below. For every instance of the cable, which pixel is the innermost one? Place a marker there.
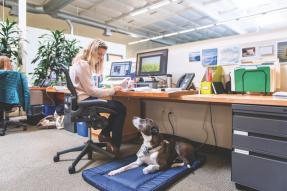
(206, 133)
(211, 121)
(168, 115)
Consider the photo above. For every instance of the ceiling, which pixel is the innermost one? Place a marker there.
(178, 15)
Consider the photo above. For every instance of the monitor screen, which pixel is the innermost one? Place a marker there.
(152, 63)
(120, 69)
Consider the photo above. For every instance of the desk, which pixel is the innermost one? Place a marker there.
(135, 103)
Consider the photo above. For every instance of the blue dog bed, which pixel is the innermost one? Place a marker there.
(134, 179)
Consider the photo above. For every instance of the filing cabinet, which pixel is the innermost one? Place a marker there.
(259, 156)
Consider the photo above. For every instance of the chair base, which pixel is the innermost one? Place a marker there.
(11, 124)
(87, 149)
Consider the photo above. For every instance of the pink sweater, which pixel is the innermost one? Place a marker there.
(81, 76)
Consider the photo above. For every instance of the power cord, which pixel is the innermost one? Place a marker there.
(211, 121)
(168, 115)
(206, 133)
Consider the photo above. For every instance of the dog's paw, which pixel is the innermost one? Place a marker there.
(113, 173)
(146, 171)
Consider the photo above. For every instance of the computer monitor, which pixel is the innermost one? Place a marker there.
(121, 69)
(152, 63)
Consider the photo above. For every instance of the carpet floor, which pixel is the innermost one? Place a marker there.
(26, 164)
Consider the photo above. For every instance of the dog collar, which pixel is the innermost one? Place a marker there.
(144, 150)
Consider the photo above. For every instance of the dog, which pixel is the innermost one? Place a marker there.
(52, 121)
(158, 151)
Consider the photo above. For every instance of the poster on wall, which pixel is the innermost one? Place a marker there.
(229, 55)
(282, 51)
(248, 52)
(267, 50)
(209, 57)
(194, 56)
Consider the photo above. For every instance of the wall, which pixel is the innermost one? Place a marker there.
(189, 118)
(33, 40)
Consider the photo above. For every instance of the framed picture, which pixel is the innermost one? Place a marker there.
(248, 52)
(209, 57)
(282, 51)
(114, 57)
(194, 56)
(266, 50)
(229, 55)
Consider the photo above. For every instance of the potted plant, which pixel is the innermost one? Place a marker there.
(54, 49)
(10, 42)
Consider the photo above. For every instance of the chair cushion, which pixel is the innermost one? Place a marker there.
(134, 179)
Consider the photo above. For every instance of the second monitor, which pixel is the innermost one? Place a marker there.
(152, 63)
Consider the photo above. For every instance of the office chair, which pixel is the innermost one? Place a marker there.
(85, 111)
(5, 121)
(14, 92)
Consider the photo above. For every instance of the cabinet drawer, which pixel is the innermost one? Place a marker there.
(268, 126)
(261, 145)
(259, 109)
(259, 173)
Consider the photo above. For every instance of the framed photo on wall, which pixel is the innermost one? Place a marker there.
(209, 57)
(267, 50)
(229, 55)
(114, 57)
(282, 51)
(194, 56)
(248, 52)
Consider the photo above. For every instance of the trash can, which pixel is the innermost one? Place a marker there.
(82, 129)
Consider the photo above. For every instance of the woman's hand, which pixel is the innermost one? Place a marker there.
(118, 88)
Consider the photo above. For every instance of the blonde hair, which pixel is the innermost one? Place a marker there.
(91, 56)
(5, 63)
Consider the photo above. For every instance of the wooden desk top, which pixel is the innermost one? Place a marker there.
(189, 97)
(236, 99)
(152, 94)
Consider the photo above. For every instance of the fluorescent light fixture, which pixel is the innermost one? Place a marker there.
(170, 34)
(186, 31)
(204, 27)
(262, 19)
(247, 4)
(160, 4)
(156, 37)
(134, 35)
(138, 12)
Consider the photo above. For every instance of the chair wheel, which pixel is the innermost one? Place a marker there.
(56, 158)
(72, 170)
(2, 133)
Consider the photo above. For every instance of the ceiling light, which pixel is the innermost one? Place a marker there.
(170, 34)
(186, 31)
(157, 37)
(204, 27)
(138, 12)
(134, 35)
(160, 4)
(246, 4)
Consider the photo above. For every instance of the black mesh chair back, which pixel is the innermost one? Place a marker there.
(73, 98)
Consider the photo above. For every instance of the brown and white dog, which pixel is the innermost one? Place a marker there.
(159, 152)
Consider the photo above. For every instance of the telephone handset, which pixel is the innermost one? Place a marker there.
(185, 81)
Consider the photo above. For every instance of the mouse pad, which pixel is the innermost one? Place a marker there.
(134, 179)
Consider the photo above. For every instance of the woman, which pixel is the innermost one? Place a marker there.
(5, 63)
(85, 66)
